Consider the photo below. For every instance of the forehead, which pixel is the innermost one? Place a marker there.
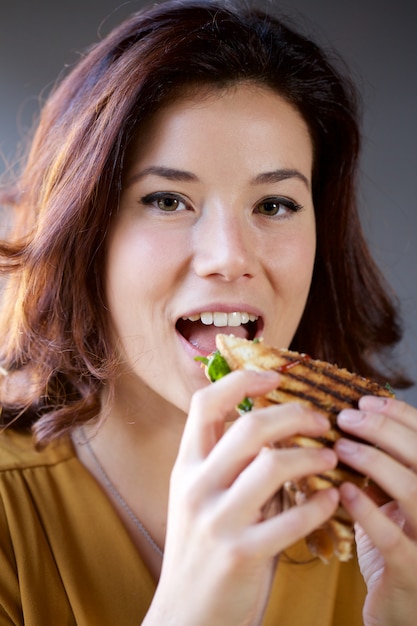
(250, 126)
(245, 118)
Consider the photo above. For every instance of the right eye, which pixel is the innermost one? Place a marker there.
(167, 202)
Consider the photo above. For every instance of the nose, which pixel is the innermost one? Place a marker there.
(224, 246)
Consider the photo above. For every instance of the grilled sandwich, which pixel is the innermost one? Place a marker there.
(322, 386)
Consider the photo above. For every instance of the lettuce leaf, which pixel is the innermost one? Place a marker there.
(217, 367)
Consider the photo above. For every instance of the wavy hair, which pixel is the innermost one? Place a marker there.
(54, 322)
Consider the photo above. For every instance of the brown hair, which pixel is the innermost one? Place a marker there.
(55, 328)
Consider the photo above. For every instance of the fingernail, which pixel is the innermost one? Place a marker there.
(351, 416)
(348, 491)
(372, 403)
(347, 446)
(322, 421)
(267, 374)
(333, 494)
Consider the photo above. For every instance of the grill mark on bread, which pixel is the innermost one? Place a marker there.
(342, 519)
(315, 399)
(344, 392)
(326, 441)
(329, 371)
(345, 473)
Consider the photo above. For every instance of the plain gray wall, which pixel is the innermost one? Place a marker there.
(38, 38)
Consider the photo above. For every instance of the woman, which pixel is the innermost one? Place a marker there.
(195, 171)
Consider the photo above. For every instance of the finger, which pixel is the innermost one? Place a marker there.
(398, 481)
(211, 406)
(396, 409)
(386, 535)
(381, 429)
(276, 534)
(266, 475)
(255, 430)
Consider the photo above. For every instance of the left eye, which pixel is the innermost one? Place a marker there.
(277, 206)
(165, 202)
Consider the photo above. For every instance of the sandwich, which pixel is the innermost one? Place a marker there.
(320, 385)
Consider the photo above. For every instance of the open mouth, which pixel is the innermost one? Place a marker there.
(200, 330)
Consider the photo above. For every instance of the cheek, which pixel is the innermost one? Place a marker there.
(303, 272)
(305, 263)
(293, 264)
(132, 270)
(291, 282)
(141, 264)
(144, 266)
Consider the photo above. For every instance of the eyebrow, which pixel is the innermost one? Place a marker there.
(163, 172)
(169, 173)
(276, 176)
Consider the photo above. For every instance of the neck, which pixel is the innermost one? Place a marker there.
(141, 410)
(136, 444)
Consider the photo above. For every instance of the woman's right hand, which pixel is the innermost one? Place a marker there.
(220, 551)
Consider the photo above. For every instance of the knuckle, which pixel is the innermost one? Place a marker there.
(199, 399)
(187, 490)
(299, 411)
(367, 453)
(270, 461)
(409, 486)
(298, 408)
(192, 495)
(302, 419)
(377, 421)
(372, 422)
(395, 406)
(241, 375)
(250, 425)
(237, 554)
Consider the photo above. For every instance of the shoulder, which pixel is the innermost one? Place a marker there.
(18, 451)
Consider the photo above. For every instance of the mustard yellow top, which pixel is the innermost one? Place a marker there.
(66, 558)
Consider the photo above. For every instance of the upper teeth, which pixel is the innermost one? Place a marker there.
(219, 318)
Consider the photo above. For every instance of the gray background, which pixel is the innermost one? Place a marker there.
(39, 38)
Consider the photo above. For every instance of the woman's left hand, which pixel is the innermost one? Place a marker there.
(386, 535)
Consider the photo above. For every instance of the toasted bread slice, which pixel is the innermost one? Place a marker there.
(323, 387)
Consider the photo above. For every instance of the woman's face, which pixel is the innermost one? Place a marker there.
(216, 233)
